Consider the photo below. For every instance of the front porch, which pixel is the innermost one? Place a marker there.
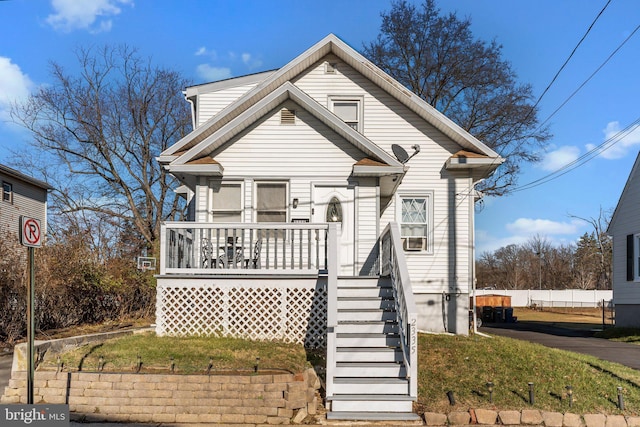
(213, 281)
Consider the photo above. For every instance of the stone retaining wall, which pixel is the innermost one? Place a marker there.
(531, 417)
(255, 399)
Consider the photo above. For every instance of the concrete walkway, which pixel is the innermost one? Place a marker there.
(578, 341)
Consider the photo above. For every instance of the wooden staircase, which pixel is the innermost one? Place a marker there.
(370, 380)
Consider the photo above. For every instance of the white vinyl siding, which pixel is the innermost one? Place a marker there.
(26, 200)
(626, 222)
(389, 122)
(210, 104)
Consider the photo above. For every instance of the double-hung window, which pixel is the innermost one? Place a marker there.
(415, 222)
(271, 202)
(349, 109)
(7, 192)
(226, 202)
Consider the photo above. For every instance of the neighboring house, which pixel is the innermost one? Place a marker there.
(624, 228)
(328, 205)
(21, 196)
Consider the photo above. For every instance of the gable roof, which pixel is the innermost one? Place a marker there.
(627, 186)
(25, 178)
(287, 91)
(275, 80)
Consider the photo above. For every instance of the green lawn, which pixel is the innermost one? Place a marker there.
(459, 364)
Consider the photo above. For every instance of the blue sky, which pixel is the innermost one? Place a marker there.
(210, 40)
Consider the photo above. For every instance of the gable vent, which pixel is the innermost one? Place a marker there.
(287, 117)
(330, 67)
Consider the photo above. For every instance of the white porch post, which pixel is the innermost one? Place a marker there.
(332, 303)
(163, 248)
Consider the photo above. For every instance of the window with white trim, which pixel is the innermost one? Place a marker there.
(271, 202)
(226, 202)
(636, 257)
(349, 109)
(414, 213)
(7, 192)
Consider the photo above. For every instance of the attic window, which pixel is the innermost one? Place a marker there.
(330, 67)
(287, 117)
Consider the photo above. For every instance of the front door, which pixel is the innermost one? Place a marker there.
(337, 204)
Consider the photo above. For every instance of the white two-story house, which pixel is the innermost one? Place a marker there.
(328, 205)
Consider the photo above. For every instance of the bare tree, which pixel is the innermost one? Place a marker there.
(98, 134)
(604, 247)
(437, 57)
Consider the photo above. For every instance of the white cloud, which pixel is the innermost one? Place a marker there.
(619, 145)
(556, 159)
(523, 229)
(209, 73)
(543, 227)
(14, 84)
(91, 15)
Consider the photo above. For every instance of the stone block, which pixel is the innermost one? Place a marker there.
(163, 418)
(276, 387)
(167, 386)
(209, 418)
(486, 416)
(123, 386)
(283, 378)
(296, 387)
(190, 386)
(255, 419)
(56, 399)
(232, 418)
(278, 420)
(511, 418)
(111, 377)
(144, 386)
(87, 376)
(10, 399)
(435, 419)
(235, 403)
(552, 419)
(616, 421)
(633, 421)
(572, 420)
(300, 416)
(312, 407)
(53, 383)
(594, 420)
(459, 418)
(187, 418)
(101, 385)
(531, 417)
(261, 379)
(288, 413)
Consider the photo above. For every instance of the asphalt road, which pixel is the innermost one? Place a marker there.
(571, 340)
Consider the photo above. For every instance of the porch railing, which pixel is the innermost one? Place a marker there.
(394, 265)
(242, 248)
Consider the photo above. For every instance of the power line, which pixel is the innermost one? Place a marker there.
(589, 155)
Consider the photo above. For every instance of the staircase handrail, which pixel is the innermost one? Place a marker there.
(394, 265)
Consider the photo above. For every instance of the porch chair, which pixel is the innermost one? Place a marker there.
(207, 253)
(254, 262)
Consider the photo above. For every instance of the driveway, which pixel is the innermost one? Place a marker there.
(578, 341)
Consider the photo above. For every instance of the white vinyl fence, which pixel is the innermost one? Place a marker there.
(553, 297)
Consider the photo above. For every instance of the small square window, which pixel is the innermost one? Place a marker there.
(7, 192)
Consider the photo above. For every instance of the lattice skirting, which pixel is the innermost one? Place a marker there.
(290, 310)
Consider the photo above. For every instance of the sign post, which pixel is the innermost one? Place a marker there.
(31, 237)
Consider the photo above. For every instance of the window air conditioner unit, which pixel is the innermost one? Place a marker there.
(415, 243)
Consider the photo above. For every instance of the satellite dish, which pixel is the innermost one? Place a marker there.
(400, 153)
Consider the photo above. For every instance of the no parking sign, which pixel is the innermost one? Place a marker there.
(30, 232)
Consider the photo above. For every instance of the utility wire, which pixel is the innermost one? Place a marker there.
(589, 78)
(589, 155)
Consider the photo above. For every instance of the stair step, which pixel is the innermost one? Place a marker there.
(362, 281)
(370, 369)
(367, 340)
(370, 327)
(368, 403)
(371, 386)
(368, 291)
(365, 303)
(350, 314)
(374, 416)
(369, 354)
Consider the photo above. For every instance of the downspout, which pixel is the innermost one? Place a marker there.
(193, 109)
(472, 253)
